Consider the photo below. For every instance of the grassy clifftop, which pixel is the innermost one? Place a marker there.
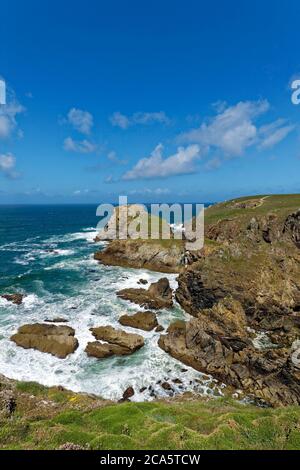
(49, 418)
(252, 206)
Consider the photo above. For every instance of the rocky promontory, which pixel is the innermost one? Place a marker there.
(144, 252)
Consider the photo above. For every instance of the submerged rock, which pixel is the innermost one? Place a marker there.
(16, 299)
(56, 340)
(157, 296)
(142, 320)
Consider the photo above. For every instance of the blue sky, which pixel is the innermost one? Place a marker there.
(160, 101)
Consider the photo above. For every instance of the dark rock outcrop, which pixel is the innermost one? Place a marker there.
(217, 343)
(56, 340)
(292, 227)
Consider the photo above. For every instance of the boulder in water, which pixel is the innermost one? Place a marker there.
(142, 320)
(132, 342)
(16, 299)
(56, 340)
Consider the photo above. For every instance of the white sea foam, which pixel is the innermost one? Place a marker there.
(94, 304)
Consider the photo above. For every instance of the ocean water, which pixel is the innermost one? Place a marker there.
(46, 253)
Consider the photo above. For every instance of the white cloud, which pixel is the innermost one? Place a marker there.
(182, 162)
(80, 192)
(79, 146)
(121, 120)
(232, 130)
(8, 114)
(273, 133)
(113, 157)
(156, 191)
(7, 165)
(82, 121)
(213, 164)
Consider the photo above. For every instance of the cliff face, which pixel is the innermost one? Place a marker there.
(252, 257)
(164, 256)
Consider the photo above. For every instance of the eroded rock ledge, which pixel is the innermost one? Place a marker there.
(117, 342)
(217, 343)
(157, 296)
(141, 254)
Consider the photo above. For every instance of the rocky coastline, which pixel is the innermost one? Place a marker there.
(244, 283)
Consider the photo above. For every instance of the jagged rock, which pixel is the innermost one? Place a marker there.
(56, 340)
(157, 296)
(16, 299)
(142, 320)
(253, 256)
(130, 341)
(292, 227)
(269, 375)
(143, 281)
(7, 402)
(225, 319)
(161, 289)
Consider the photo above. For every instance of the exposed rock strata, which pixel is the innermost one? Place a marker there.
(216, 343)
(157, 296)
(143, 255)
(117, 342)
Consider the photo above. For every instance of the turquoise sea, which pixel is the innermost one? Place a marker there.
(46, 253)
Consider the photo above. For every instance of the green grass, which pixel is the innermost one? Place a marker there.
(283, 204)
(186, 423)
